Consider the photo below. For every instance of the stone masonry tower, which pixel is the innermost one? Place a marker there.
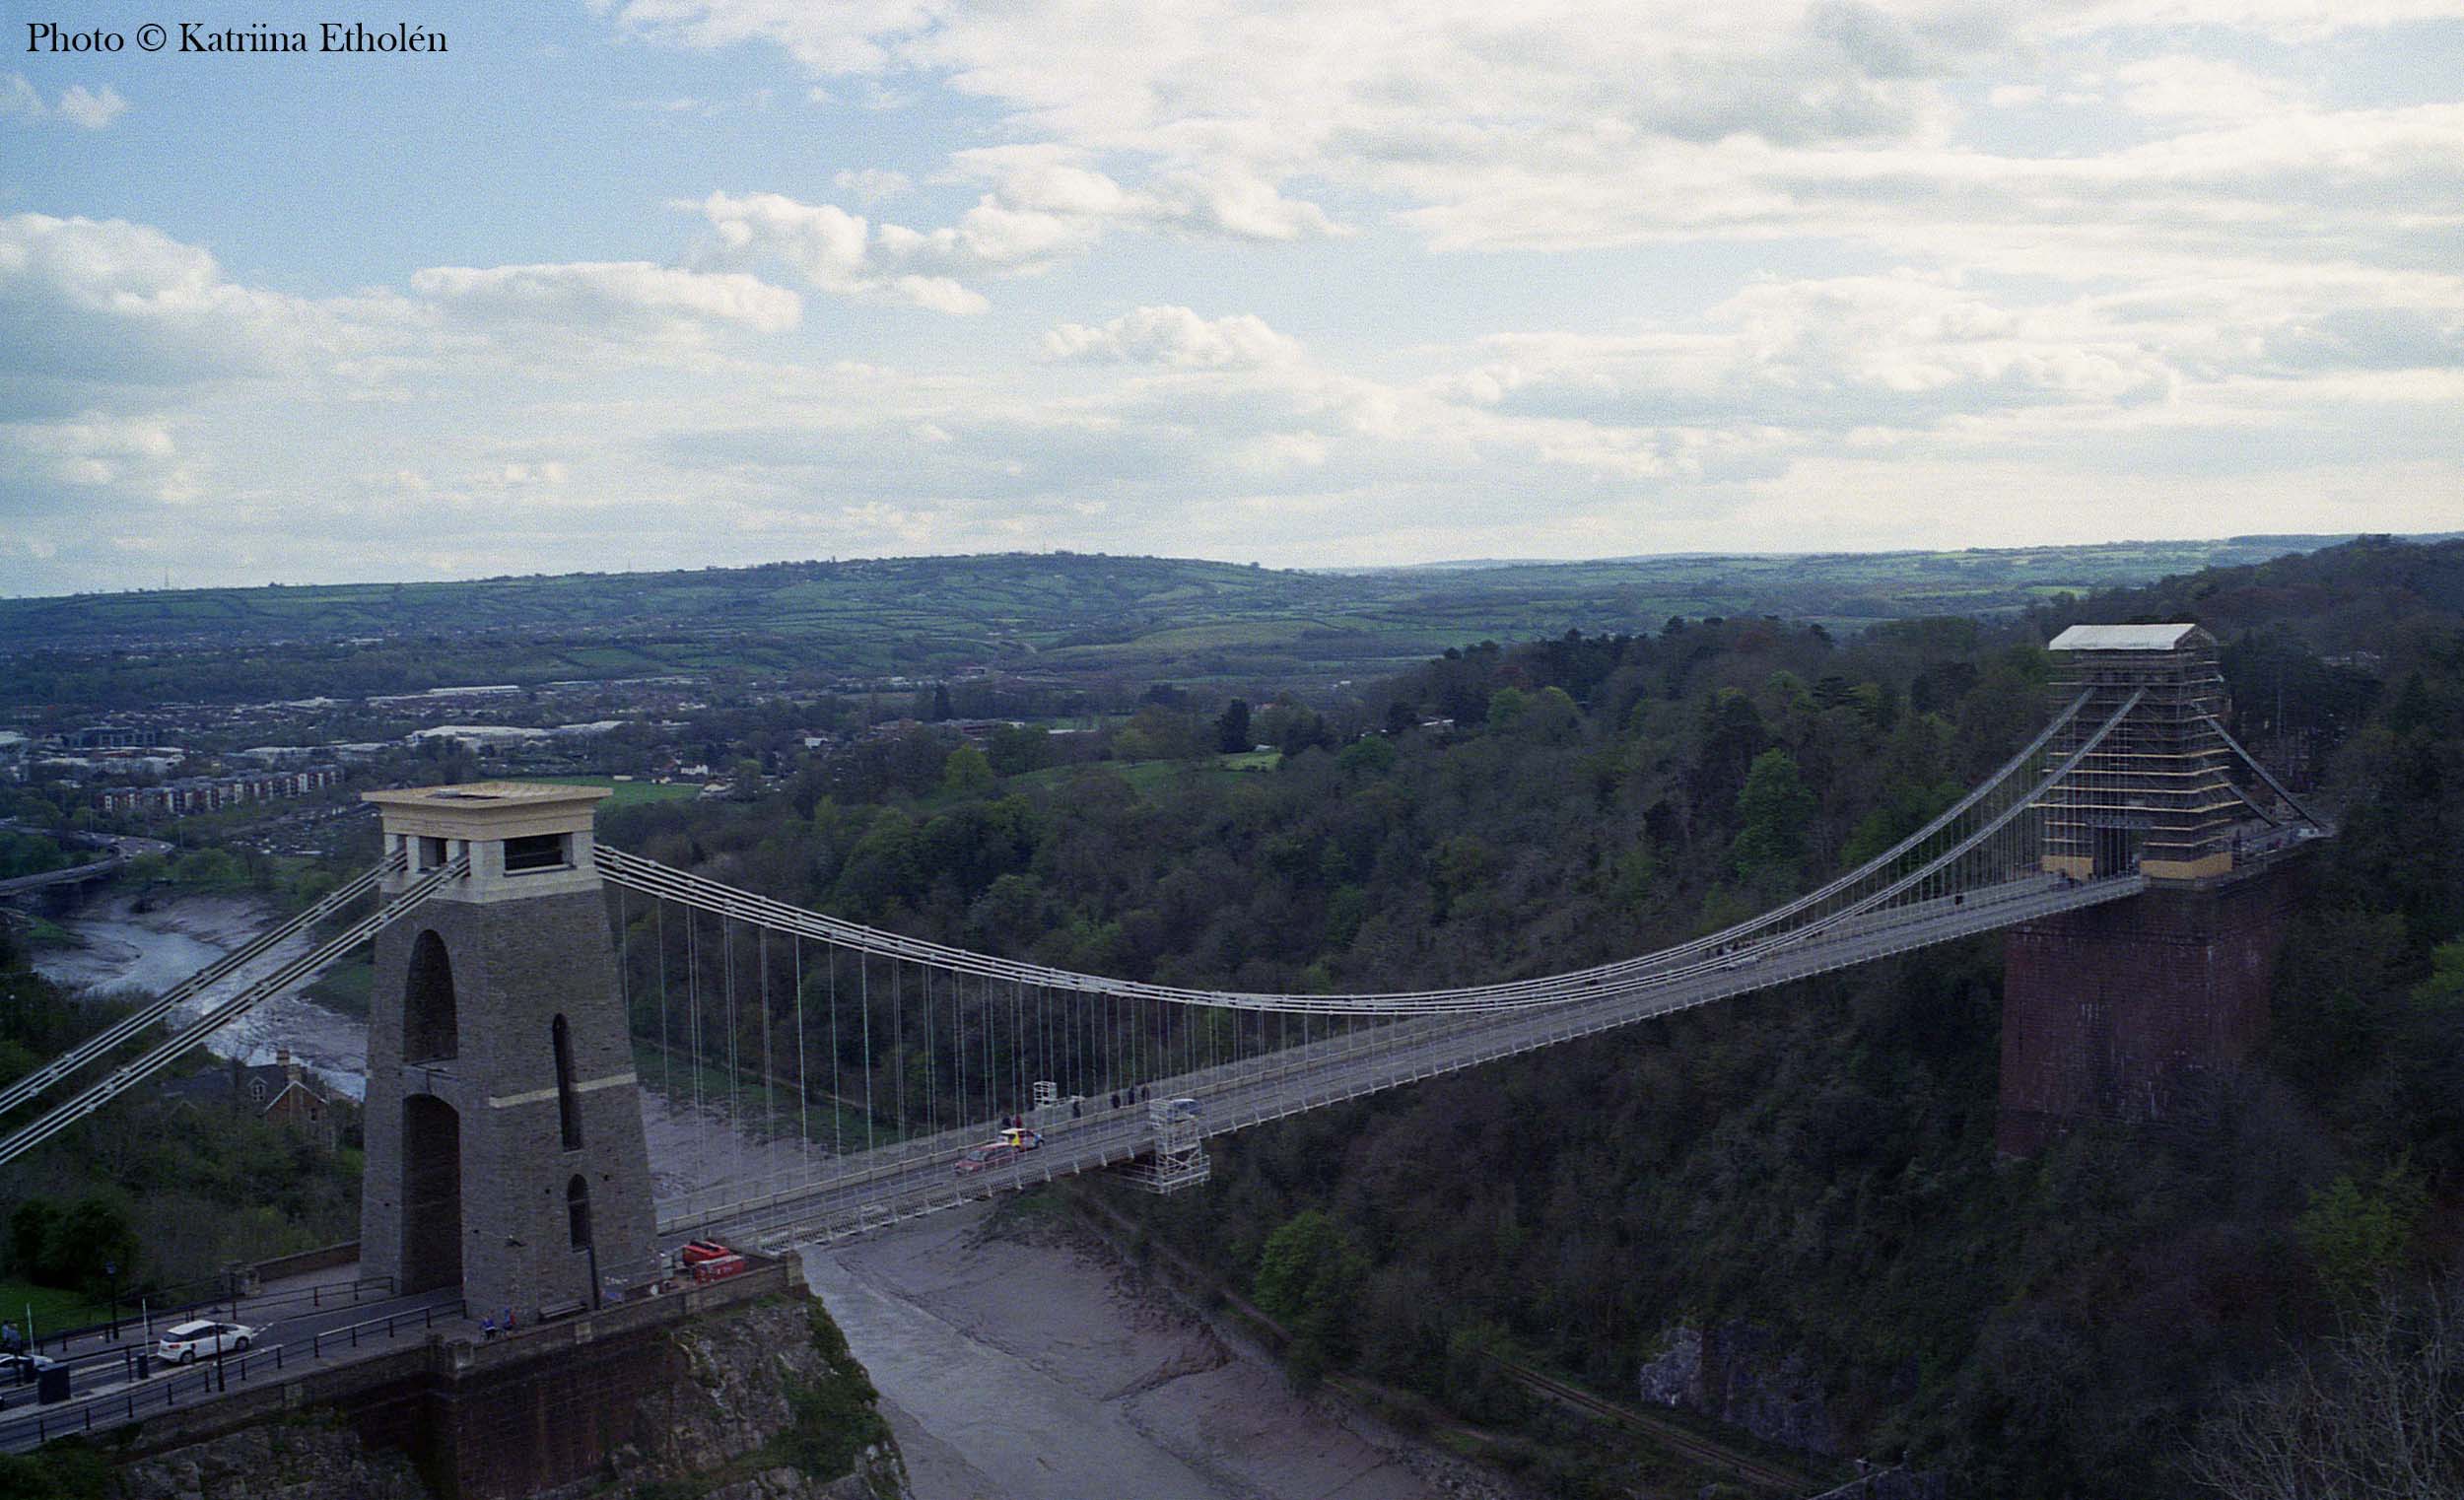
(504, 1147)
(2105, 1009)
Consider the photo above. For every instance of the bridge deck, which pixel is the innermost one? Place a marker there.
(870, 1190)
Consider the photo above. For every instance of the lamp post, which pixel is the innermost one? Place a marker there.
(111, 1273)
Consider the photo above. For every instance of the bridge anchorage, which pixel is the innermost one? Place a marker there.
(840, 1077)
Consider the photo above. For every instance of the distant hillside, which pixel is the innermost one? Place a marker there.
(1066, 615)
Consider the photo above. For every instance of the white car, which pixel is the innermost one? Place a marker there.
(187, 1342)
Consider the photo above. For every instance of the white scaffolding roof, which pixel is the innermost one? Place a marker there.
(2121, 638)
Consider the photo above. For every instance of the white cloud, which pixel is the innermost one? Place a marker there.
(2181, 87)
(91, 110)
(87, 109)
(1041, 206)
(597, 293)
(871, 183)
(110, 301)
(836, 250)
(1172, 336)
(98, 453)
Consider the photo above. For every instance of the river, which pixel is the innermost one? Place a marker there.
(1016, 1358)
(150, 951)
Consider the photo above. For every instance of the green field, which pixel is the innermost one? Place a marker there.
(1147, 775)
(54, 1309)
(628, 793)
(1058, 616)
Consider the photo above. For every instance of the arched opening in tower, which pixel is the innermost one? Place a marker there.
(431, 1019)
(432, 1194)
(577, 1211)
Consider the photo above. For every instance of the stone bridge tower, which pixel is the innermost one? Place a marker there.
(505, 1144)
(2106, 1009)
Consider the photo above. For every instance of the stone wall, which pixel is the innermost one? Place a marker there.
(743, 1391)
(2105, 1009)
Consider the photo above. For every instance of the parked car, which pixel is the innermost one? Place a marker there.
(183, 1343)
(19, 1368)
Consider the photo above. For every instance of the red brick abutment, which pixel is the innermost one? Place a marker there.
(514, 1417)
(2106, 1009)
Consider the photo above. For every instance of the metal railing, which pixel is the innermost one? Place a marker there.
(189, 1384)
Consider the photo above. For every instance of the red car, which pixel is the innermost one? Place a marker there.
(1013, 1143)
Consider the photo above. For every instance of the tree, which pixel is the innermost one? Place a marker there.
(1013, 750)
(1308, 1278)
(1369, 755)
(1232, 729)
(1776, 808)
(967, 769)
(2376, 1413)
(2357, 1234)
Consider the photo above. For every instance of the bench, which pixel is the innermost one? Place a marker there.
(551, 1310)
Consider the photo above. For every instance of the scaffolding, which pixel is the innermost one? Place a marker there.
(1179, 1159)
(2156, 795)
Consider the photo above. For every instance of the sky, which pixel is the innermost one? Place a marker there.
(634, 284)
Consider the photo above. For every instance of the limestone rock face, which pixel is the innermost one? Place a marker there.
(1743, 1376)
(762, 1397)
(283, 1460)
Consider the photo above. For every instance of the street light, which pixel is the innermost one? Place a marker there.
(111, 1273)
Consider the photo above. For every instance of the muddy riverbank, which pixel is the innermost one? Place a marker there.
(1018, 1358)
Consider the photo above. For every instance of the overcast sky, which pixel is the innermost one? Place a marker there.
(656, 282)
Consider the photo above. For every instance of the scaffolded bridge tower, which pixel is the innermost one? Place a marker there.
(2105, 1011)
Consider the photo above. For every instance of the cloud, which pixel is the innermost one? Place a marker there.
(86, 108)
(596, 295)
(110, 301)
(91, 111)
(873, 184)
(1561, 125)
(2181, 87)
(1172, 336)
(839, 251)
(97, 453)
(1041, 206)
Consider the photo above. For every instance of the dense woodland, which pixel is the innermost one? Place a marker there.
(1817, 1161)
(2134, 1312)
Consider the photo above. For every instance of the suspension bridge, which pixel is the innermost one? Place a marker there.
(532, 984)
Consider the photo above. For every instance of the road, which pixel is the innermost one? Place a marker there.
(297, 1326)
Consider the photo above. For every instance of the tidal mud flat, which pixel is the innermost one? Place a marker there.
(1017, 1364)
